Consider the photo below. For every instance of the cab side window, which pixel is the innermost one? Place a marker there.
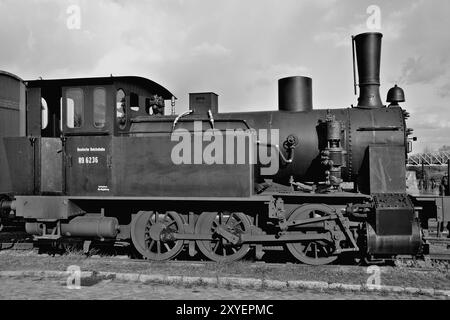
(134, 102)
(44, 115)
(74, 108)
(121, 109)
(99, 107)
(148, 106)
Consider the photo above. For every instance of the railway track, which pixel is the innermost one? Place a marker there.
(12, 238)
(20, 241)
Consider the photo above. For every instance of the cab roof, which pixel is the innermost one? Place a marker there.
(143, 82)
(8, 74)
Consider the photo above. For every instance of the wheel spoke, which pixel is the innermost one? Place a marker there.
(167, 246)
(235, 223)
(305, 251)
(216, 246)
(229, 217)
(323, 249)
(158, 247)
(170, 223)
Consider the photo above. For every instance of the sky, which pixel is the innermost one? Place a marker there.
(239, 49)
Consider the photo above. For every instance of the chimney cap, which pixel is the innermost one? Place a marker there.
(367, 33)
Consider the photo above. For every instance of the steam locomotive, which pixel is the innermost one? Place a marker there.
(97, 160)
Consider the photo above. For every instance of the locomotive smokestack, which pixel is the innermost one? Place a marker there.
(295, 94)
(368, 55)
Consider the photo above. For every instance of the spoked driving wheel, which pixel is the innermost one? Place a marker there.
(147, 229)
(312, 252)
(219, 249)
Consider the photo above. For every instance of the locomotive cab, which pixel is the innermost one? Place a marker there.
(44, 135)
(90, 106)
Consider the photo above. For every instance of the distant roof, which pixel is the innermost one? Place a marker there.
(6, 73)
(144, 82)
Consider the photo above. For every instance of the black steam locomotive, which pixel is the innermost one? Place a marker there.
(97, 160)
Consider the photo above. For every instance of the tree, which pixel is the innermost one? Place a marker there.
(428, 149)
(444, 148)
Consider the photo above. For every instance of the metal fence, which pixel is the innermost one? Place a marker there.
(429, 159)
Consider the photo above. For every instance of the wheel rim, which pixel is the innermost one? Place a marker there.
(146, 230)
(312, 252)
(220, 249)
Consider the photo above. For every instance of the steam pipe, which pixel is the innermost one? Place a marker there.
(277, 147)
(354, 66)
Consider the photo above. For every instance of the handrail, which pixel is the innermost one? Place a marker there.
(179, 117)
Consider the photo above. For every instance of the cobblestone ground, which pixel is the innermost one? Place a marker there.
(53, 289)
(424, 277)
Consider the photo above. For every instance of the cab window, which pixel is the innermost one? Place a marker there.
(121, 109)
(74, 108)
(44, 116)
(99, 107)
(134, 102)
(61, 112)
(148, 106)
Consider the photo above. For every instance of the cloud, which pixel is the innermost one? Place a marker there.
(339, 37)
(444, 91)
(430, 122)
(268, 75)
(210, 50)
(423, 69)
